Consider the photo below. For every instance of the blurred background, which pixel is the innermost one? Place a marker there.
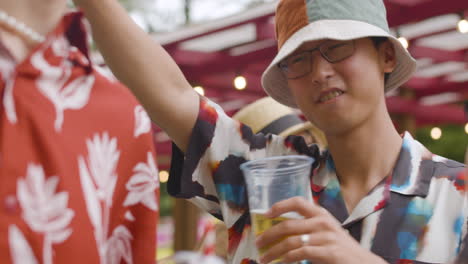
(169, 15)
(223, 46)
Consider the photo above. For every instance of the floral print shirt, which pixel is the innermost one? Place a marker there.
(77, 163)
(417, 214)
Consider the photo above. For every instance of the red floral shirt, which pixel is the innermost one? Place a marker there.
(77, 162)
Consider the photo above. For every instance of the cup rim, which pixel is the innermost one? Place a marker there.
(308, 161)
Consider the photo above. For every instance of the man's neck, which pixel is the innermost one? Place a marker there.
(368, 153)
(40, 16)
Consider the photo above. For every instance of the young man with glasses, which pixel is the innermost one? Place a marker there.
(379, 196)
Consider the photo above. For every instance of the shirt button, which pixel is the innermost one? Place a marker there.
(11, 204)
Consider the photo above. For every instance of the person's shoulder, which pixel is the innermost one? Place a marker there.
(452, 170)
(440, 167)
(442, 163)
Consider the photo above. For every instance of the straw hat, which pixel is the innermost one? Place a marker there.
(300, 21)
(268, 116)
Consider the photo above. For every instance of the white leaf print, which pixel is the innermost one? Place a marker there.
(119, 247)
(129, 216)
(61, 47)
(98, 179)
(103, 157)
(51, 185)
(60, 237)
(44, 210)
(142, 121)
(53, 82)
(92, 202)
(142, 184)
(20, 250)
(74, 96)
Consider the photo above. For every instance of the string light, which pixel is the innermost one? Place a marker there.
(199, 90)
(163, 176)
(466, 128)
(463, 26)
(404, 42)
(436, 133)
(240, 82)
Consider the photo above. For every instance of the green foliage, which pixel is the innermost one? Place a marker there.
(166, 202)
(452, 144)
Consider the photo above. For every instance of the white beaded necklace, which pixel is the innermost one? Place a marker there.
(21, 28)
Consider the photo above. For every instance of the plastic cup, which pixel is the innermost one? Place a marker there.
(274, 179)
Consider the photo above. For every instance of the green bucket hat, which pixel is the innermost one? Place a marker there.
(300, 21)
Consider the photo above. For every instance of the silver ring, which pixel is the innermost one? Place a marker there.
(305, 239)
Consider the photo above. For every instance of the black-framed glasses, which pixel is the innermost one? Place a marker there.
(300, 64)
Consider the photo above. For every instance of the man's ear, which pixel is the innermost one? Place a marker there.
(388, 56)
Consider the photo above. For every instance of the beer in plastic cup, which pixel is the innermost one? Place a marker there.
(273, 179)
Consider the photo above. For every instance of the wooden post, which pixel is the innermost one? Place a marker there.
(185, 225)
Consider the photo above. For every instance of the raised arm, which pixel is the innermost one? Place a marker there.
(145, 67)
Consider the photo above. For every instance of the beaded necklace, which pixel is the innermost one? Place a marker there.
(20, 28)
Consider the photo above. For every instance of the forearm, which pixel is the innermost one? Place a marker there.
(145, 67)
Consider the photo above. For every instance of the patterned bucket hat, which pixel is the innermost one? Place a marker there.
(300, 21)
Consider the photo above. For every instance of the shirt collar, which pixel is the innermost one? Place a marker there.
(73, 28)
(413, 170)
(68, 41)
(411, 175)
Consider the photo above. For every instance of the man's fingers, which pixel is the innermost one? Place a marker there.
(286, 228)
(292, 243)
(293, 227)
(281, 248)
(295, 204)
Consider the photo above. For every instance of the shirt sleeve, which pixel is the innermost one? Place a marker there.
(462, 257)
(209, 174)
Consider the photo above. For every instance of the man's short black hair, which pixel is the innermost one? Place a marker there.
(377, 41)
